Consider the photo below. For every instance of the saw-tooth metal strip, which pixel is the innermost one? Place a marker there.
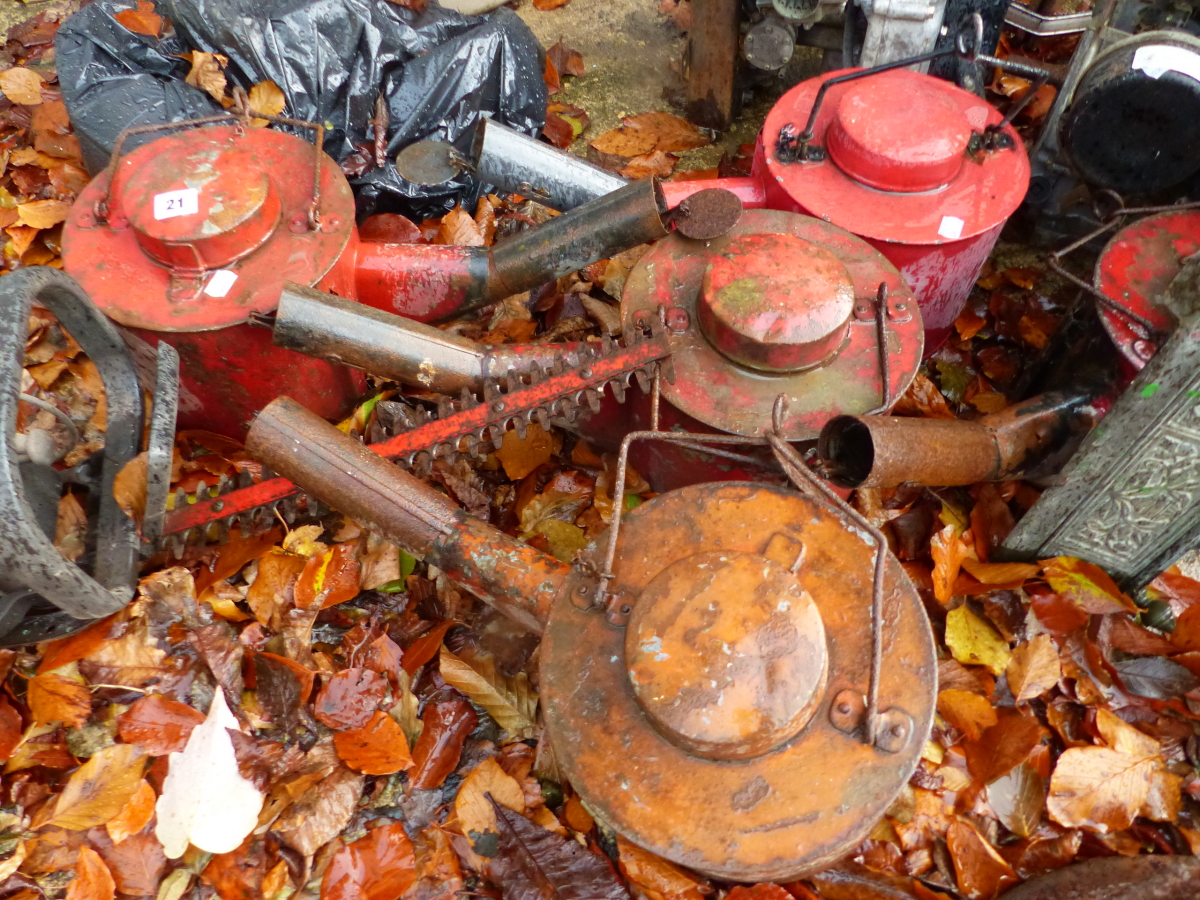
(556, 391)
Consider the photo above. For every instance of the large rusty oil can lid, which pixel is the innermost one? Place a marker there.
(780, 304)
(903, 159)
(723, 726)
(202, 227)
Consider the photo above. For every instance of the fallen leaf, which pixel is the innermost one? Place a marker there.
(129, 488)
(967, 711)
(42, 214)
(389, 228)
(137, 863)
(65, 651)
(472, 806)
(980, 870)
(56, 698)
(238, 874)
(205, 799)
(158, 724)
(10, 729)
(21, 85)
(626, 142)
(100, 788)
(349, 698)
(274, 588)
(521, 456)
(435, 754)
(142, 20)
(266, 99)
(948, 550)
(1099, 789)
(535, 863)
(655, 876)
(1018, 798)
(459, 229)
(134, 815)
(329, 578)
(1087, 585)
(999, 573)
(206, 73)
(321, 812)
(511, 702)
(566, 60)
(1129, 637)
(377, 748)
(547, 5)
(1033, 668)
(1155, 677)
(1003, 746)
(378, 866)
(658, 163)
(671, 133)
(923, 399)
(92, 879)
(974, 641)
(1186, 634)
(70, 527)
(424, 648)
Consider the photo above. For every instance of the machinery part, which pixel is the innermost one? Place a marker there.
(430, 163)
(192, 236)
(900, 29)
(536, 393)
(32, 571)
(1028, 440)
(707, 214)
(160, 446)
(769, 42)
(781, 304)
(519, 164)
(931, 199)
(712, 97)
(1115, 878)
(771, 571)
(1026, 19)
(1134, 120)
(1129, 500)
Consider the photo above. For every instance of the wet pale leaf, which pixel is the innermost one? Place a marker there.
(475, 813)
(207, 74)
(21, 85)
(974, 641)
(1099, 789)
(511, 702)
(459, 229)
(520, 457)
(967, 711)
(205, 799)
(1018, 799)
(1034, 668)
(670, 132)
(266, 99)
(99, 789)
(1087, 585)
(321, 812)
(627, 142)
(56, 698)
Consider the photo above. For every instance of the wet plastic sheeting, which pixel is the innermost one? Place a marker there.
(439, 71)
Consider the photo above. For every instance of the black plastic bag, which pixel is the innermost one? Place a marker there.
(440, 72)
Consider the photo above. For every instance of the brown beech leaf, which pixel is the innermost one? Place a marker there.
(520, 456)
(92, 880)
(142, 20)
(100, 788)
(973, 640)
(138, 863)
(547, 5)
(510, 701)
(1034, 668)
(1099, 789)
(390, 228)
(981, 872)
(1018, 798)
(43, 213)
(378, 748)
(21, 85)
(535, 863)
(56, 698)
(349, 698)
(967, 711)
(1186, 635)
(670, 132)
(159, 725)
(329, 578)
(65, 651)
(658, 163)
(1129, 637)
(11, 729)
(459, 229)
(626, 142)
(1155, 677)
(1048, 853)
(485, 784)
(566, 60)
(207, 73)
(134, 815)
(1087, 585)
(948, 550)
(1003, 746)
(655, 876)
(378, 866)
(239, 874)
(923, 399)
(425, 648)
(321, 812)
(273, 591)
(266, 99)
(435, 754)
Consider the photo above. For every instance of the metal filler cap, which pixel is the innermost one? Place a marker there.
(781, 304)
(722, 728)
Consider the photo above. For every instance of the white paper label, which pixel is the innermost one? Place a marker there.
(170, 204)
(951, 227)
(1157, 60)
(220, 282)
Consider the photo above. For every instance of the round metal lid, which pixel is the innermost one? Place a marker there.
(889, 152)
(734, 397)
(775, 302)
(1135, 268)
(779, 812)
(429, 163)
(204, 227)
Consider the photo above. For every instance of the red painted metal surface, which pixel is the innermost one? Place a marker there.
(872, 181)
(1135, 268)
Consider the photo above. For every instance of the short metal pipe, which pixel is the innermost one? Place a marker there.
(1027, 439)
(332, 328)
(520, 581)
(519, 164)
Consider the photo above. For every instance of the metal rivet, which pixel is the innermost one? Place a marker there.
(498, 406)
(218, 506)
(585, 373)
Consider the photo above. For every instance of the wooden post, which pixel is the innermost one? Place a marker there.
(713, 58)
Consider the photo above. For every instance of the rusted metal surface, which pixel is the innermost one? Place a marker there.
(515, 578)
(762, 817)
(707, 213)
(938, 239)
(1116, 878)
(730, 397)
(1027, 439)
(712, 61)
(537, 392)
